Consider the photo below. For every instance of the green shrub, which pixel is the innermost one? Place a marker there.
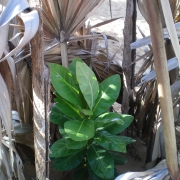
(90, 142)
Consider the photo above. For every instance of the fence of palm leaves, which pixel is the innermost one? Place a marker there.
(24, 73)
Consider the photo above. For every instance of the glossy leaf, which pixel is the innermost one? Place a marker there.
(107, 119)
(116, 173)
(60, 149)
(81, 174)
(62, 80)
(87, 82)
(69, 162)
(127, 140)
(72, 69)
(67, 108)
(72, 66)
(62, 132)
(86, 112)
(101, 162)
(110, 142)
(58, 117)
(116, 129)
(93, 175)
(108, 93)
(80, 130)
(119, 159)
(71, 144)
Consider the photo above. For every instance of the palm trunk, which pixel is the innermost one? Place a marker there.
(64, 51)
(164, 90)
(64, 54)
(38, 96)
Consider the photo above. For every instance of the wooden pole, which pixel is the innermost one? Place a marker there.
(38, 96)
(128, 54)
(164, 91)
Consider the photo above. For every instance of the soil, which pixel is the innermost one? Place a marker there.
(137, 152)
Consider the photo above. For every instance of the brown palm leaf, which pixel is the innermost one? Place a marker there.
(175, 8)
(66, 16)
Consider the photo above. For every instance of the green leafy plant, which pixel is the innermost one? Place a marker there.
(90, 143)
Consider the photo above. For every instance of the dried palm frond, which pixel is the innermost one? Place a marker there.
(175, 7)
(16, 40)
(58, 21)
(172, 61)
(12, 42)
(11, 165)
(170, 13)
(63, 18)
(66, 16)
(150, 118)
(81, 41)
(171, 27)
(160, 171)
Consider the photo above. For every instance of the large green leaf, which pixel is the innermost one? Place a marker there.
(86, 112)
(62, 132)
(62, 80)
(60, 149)
(107, 119)
(119, 159)
(72, 69)
(101, 162)
(127, 140)
(58, 117)
(108, 93)
(110, 142)
(116, 129)
(81, 174)
(71, 144)
(93, 175)
(88, 83)
(67, 108)
(72, 66)
(69, 162)
(116, 173)
(80, 130)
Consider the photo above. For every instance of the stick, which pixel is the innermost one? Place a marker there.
(164, 91)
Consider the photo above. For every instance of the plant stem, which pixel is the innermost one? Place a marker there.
(164, 91)
(64, 54)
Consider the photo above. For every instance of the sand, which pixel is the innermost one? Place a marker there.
(115, 28)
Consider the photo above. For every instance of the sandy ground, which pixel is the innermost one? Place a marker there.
(136, 159)
(115, 28)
